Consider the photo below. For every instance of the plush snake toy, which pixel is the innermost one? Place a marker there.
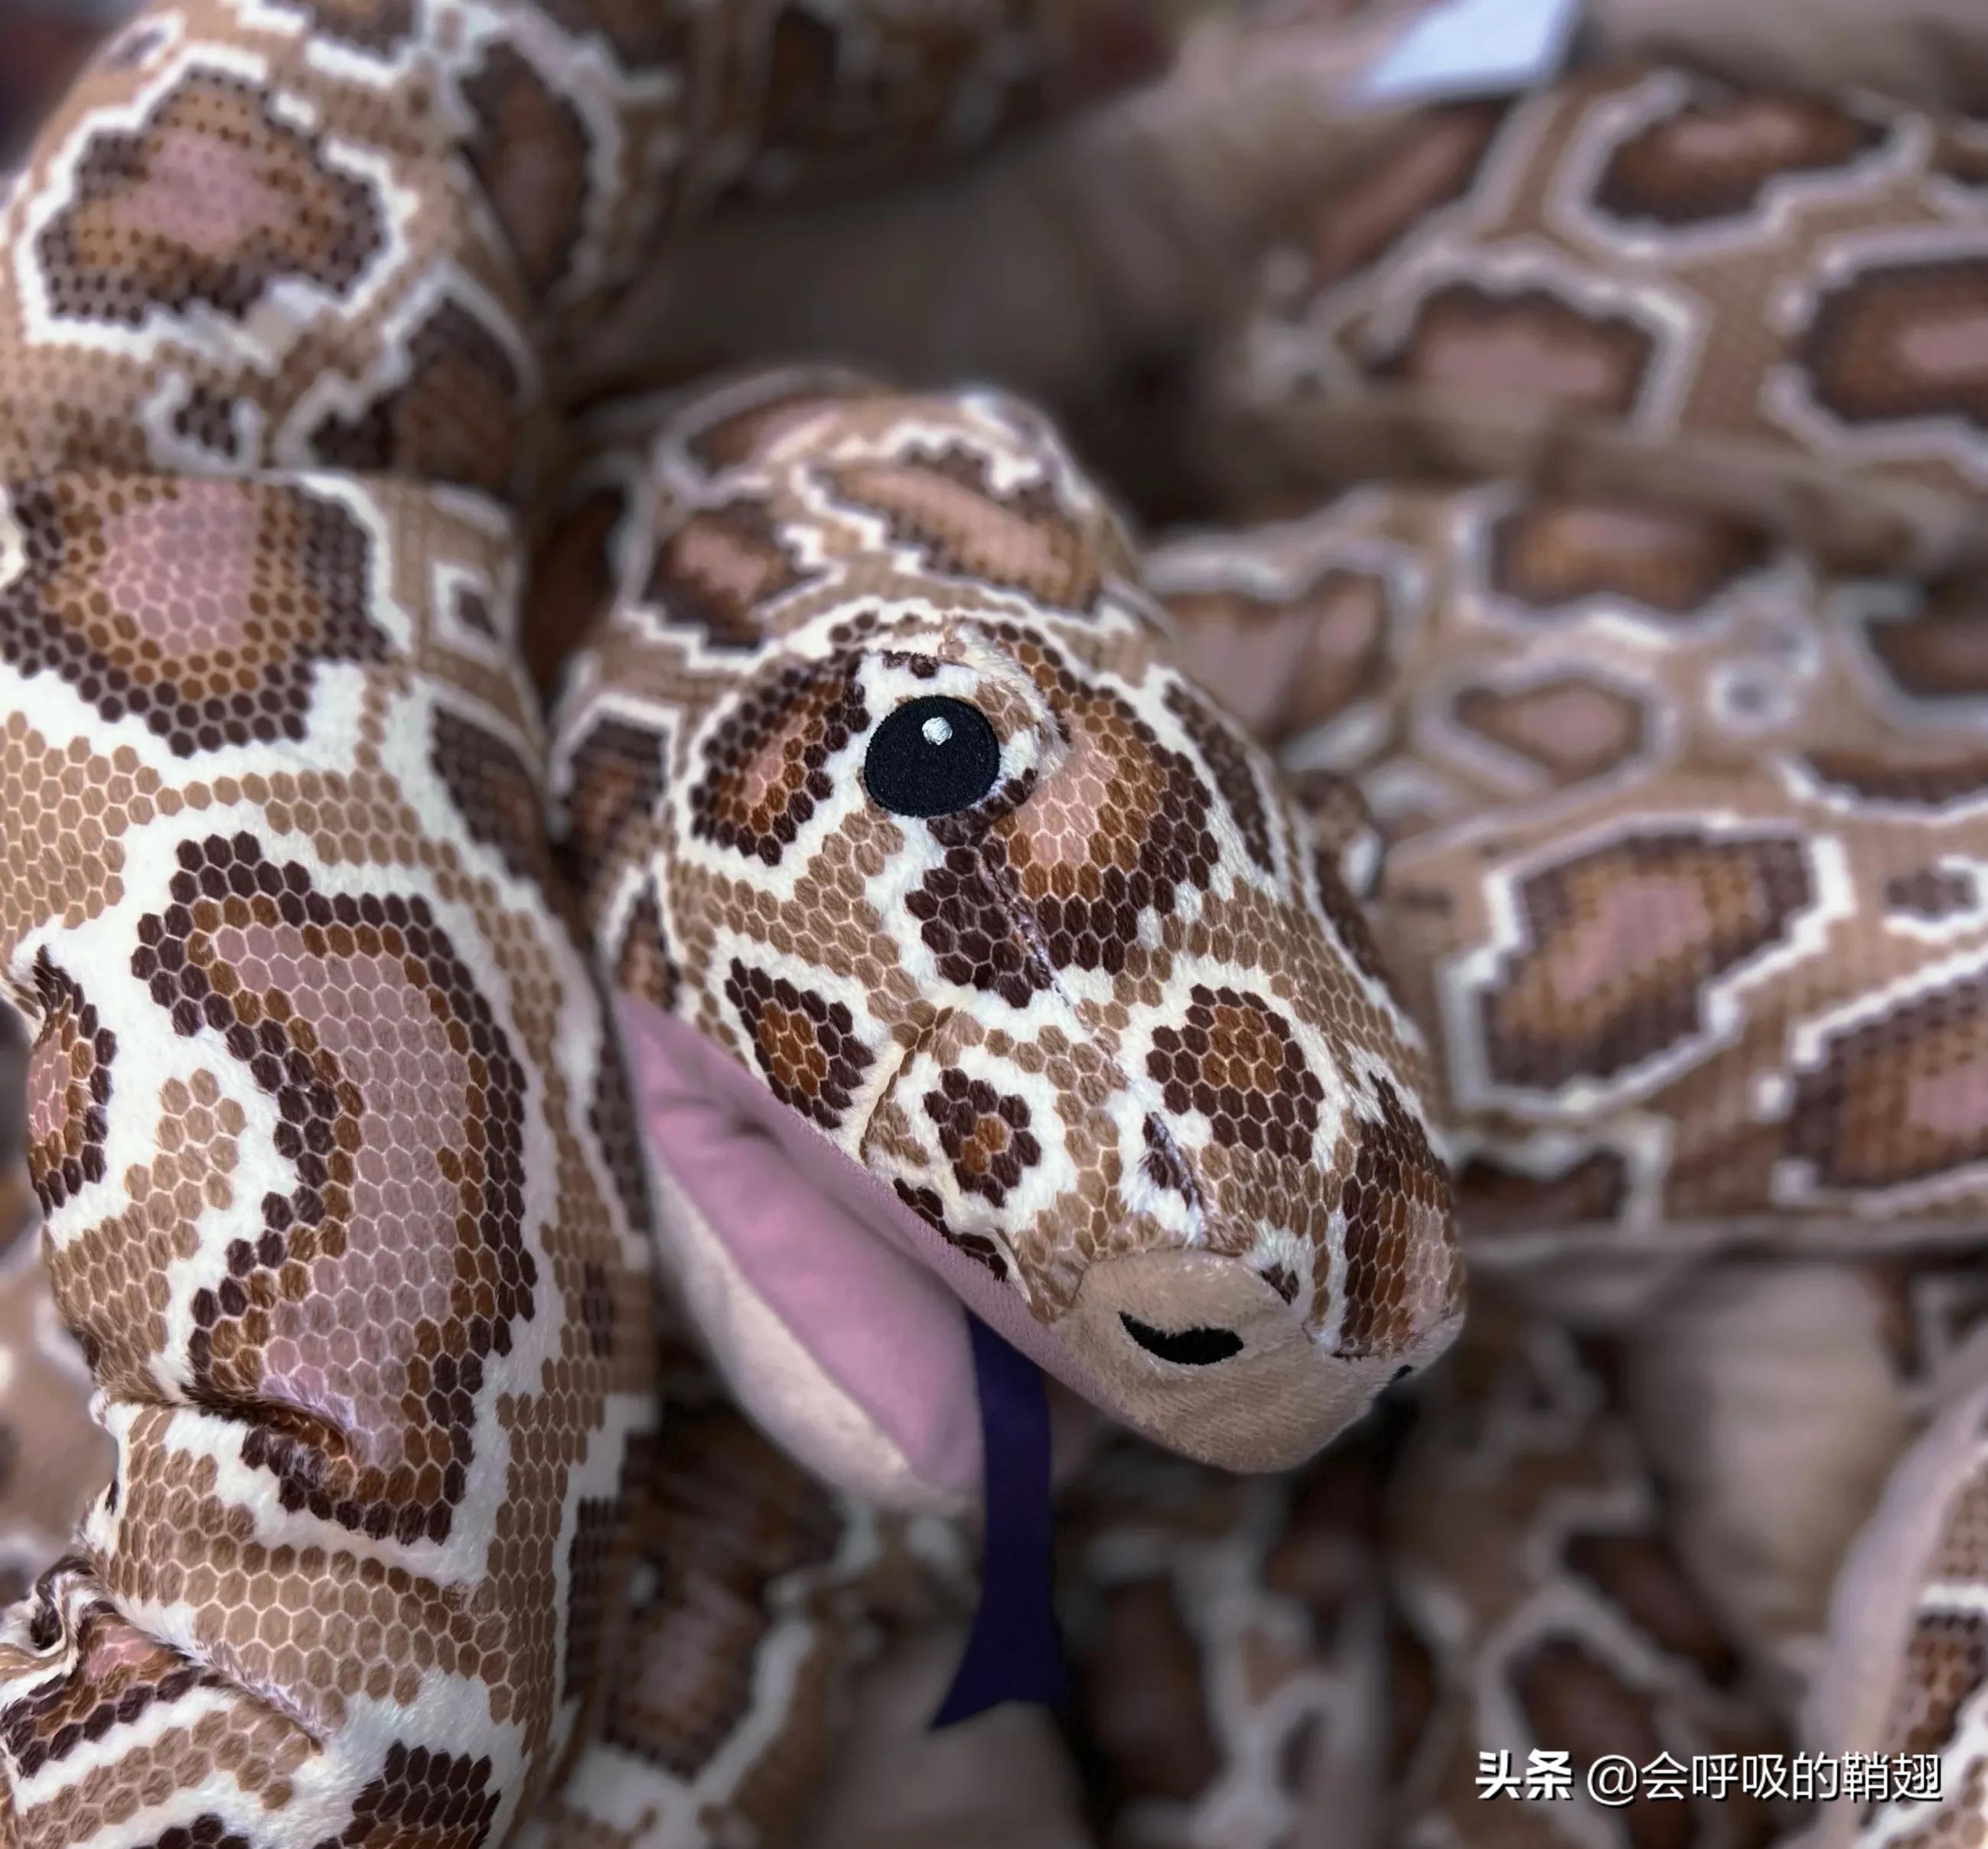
(900, 915)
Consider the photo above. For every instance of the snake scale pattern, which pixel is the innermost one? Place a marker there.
(1542, 801)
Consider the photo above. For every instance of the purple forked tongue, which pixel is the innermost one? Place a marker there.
(1013, 1653)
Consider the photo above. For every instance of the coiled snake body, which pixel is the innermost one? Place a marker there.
(900, 905)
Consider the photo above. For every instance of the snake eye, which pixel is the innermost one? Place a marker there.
(932, 757)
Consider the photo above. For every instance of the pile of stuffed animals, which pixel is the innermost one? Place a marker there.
(961, 922)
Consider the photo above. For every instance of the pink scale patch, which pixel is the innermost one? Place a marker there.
(379, 1292)
(1641, 922)
(201, 194)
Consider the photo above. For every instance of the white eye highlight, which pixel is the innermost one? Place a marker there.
(937, 729)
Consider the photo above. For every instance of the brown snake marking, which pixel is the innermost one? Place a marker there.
(1729, 788)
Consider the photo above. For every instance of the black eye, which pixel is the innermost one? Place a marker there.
(932, 757)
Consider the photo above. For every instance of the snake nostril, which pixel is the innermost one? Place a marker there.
(1186, 1347)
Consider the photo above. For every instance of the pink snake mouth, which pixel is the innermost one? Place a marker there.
(809, 1255)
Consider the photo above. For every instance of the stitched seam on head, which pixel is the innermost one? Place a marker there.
(1022, 921)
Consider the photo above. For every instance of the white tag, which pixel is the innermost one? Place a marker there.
(1473, 48)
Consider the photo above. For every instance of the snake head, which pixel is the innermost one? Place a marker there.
(913, 849)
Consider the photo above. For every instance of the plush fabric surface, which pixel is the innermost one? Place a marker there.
(519, 1120)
